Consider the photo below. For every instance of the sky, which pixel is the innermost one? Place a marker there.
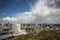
(10, 7)
(30, 11)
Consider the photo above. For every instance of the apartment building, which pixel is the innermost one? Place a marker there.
(9, 30)
(36, 28)
(5, 28)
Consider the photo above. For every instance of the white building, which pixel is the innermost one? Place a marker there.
(16, 29)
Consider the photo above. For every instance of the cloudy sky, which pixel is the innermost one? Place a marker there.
(30, 11)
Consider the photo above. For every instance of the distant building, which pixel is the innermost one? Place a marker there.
(8, 30)
(5, 28)
(16, 29)
(40, 27)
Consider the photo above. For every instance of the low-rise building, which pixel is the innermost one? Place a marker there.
(8, 30)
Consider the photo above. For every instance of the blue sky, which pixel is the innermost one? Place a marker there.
(11, 7)
(30, 11)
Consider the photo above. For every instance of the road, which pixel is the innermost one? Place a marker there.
(5, 36)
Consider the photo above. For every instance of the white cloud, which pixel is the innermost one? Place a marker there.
(9, 19)
(27, 17)
(40, 13)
